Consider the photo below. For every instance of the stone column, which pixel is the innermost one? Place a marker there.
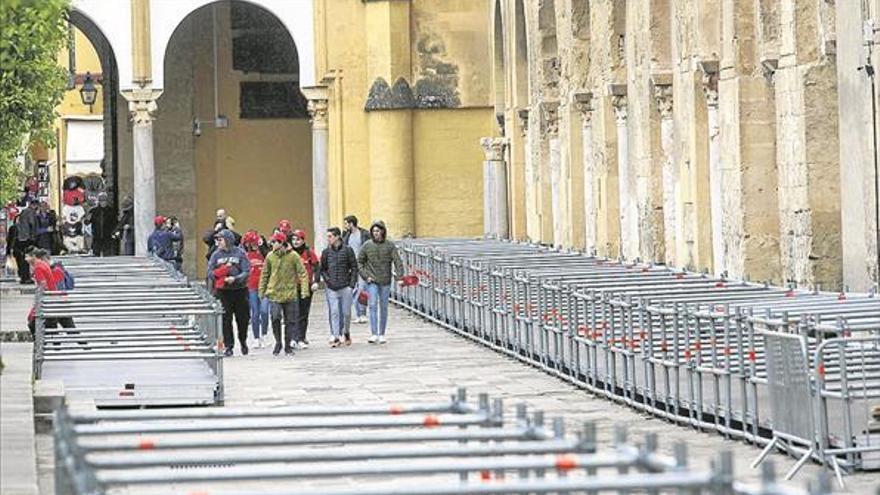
(663, 98)
(320, 188)
(710, 87)
(495, 215)
(584, 104)
(142, 105)
(628, 229)
(550, 128)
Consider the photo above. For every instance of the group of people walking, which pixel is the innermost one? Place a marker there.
(96, 229)
(265, 283)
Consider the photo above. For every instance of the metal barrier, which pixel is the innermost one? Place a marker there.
(143, 336)
(422, 448)
(682, 346)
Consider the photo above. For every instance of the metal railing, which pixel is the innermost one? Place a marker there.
(143, 335)
(683, 346)
(445, 448)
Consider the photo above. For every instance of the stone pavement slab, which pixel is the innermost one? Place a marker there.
(423, 362)
(18, 469)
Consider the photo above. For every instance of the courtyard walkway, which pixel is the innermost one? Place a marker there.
(421, 362)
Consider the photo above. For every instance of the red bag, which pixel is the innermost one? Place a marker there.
(363, 298)
(220, 274)
(410, 280)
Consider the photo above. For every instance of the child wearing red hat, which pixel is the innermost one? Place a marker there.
(311, 262)
(259, 306)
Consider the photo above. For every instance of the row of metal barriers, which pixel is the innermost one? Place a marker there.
(791, 369)
(453, 447)
(143, 335)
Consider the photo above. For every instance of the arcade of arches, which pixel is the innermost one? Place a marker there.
(721, 135)
(707, 135)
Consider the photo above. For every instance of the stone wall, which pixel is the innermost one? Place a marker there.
(704, 135)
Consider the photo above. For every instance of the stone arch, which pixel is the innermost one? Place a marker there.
(548, 50)
(232, 129)
(521, 55)
(295, 15)
(580, 20)
(499, 65)
(109, 81)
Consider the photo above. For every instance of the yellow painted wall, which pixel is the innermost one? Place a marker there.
(446, 157)
(449, 170)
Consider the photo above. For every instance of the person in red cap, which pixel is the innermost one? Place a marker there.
(284, 281)
(252, 242)
(161, 241)
(311, 262)
(286, 227)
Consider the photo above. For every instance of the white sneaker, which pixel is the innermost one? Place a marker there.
(383, 340)
(303, 345)
(372, 339)
(258, 343)
(361, 319)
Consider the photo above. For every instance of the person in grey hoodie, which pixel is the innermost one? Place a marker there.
(379, 264)
(228, 270)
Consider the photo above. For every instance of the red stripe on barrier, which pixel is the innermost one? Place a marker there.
(431, 421)
(485, 475)
(395, 410)
(821, 369)
(719, 285)
(146, 445)
(752, 356)
(687, 354)
(566, 463)
(789, 293)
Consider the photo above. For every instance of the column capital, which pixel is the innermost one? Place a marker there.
(710, 80)
(493, 147)
(142, 103)
(550, 117)
(523, 116)
(618, 102)
(663, 99)
(318, 105)
(584, 104)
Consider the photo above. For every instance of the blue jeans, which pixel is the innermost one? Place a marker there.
(360, 309)
(378, 304)
(259, 314)
(339, 304)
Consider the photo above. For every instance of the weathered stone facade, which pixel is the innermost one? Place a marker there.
(703, 135)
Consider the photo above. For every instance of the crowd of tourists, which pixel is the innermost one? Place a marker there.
(91, 226)
(263, 282)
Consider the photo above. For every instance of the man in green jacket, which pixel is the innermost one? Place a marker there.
(375, 266)
(283, 281)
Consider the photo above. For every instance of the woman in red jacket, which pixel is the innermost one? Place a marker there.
(311, 262)
(252, 243)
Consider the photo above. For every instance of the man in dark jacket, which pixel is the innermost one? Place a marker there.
(378, 257)
(355, 237)
(339, 271)
(102, 218)
(125, 226)
(228, 271)
(26, 236)
(222, 221)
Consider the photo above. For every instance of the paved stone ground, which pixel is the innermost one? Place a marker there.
(423, 362)
(18, 470)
